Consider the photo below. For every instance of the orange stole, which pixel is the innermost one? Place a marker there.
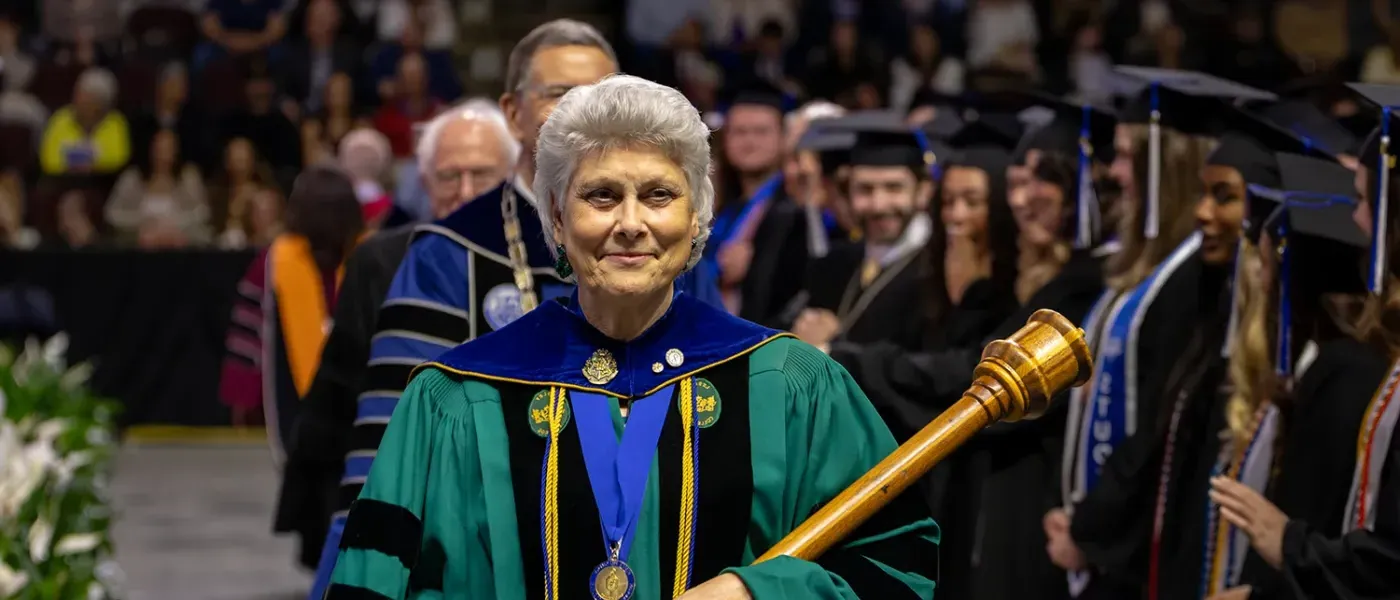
(301, 306)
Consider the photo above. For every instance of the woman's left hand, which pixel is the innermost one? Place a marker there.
(1251, 513)
(725, 587)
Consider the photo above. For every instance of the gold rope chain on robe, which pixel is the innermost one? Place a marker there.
(519, 260)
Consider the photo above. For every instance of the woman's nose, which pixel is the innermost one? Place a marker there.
(629, 218)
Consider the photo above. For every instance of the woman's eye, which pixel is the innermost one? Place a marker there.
(661, 194)
(600, 195)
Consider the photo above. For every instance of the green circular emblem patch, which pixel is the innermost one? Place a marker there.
(539, 414)
(707, 404)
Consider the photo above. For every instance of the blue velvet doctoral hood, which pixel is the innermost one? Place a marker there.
(478, 225)
(549, 346)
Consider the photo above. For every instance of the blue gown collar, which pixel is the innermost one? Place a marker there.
(550, 345)
(478, 225)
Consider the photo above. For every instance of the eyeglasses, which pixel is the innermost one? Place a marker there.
(480, 177)
(550, 93)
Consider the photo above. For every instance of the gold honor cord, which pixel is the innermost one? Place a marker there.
(690, 474)
(690, 480)
(519, 260)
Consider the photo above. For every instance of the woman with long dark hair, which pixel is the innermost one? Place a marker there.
(280, 321)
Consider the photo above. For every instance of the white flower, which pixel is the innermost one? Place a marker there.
(49, 430)
(40, 540)
(70, 464)
(55, 350)
(73, 379)
(95, 591)
(21, 473)
(11, 581)
(76, 543)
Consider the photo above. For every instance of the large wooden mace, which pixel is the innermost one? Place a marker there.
(1015, 380)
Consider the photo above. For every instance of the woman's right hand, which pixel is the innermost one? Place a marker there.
(1060, 545)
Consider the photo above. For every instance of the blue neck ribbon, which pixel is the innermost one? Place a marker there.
(618, 471)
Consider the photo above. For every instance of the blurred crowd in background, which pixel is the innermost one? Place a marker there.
(177, 123)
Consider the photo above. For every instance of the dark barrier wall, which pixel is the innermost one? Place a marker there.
(152, 324)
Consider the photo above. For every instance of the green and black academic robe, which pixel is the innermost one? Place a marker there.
(457, 503)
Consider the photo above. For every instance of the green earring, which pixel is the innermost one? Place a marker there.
(561, 264)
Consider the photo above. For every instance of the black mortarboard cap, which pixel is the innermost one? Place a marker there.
(1069, 122)
(833, 147)
(1315, 128)
(759, 92)
(1378, 155)
(1249, 143)
(987, 129)
(880, 138)
(1186, 101)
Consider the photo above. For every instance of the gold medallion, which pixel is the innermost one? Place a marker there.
(610, 583)
(707, 404)
(600, 368)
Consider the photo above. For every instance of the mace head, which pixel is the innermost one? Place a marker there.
(1047, 356)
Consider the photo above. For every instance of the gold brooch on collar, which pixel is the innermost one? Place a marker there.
(600, 368)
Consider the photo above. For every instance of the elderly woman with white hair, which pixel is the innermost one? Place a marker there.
(631, 441)
(87, 136)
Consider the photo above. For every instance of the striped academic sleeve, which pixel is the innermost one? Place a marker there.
(384, 531)
(424, 315)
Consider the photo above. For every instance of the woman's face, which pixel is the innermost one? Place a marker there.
(1362, 215)
(802, 176)
(174, 88)
(966, 192)
(1220, 213)
(1040, 213)
(923, 42)
(266, 211)
(1122, 167)
(239, 157)
(164, 150)
(626, 221)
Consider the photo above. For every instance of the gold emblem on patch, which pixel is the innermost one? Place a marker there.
(600, 368)
(707, 404)
(539, 414)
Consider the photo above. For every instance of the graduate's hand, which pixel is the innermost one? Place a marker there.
(1060, 544)
(1253, 514)
(725, 587)
(816, 326)
(1234, 593)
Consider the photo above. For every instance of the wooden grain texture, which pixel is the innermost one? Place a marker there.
(1016, 379)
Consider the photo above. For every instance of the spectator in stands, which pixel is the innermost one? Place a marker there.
(411, 104)
(232, 192)
(923, 65)
(172, 110)
(16, 70)
(310, 63)
(767, 57)
(87, 136)
(1002, 36)
(835, 72)
(13, 233)
(239, 27)
(160, 202)
(443, 82)
(266, 218)
(1090, 68)
(366, 159)
(75, 226)
(322, 130)
(1382, 62)
(440, 25)
(734, 23)
(70, 23)
(260, 121)
(18, 65)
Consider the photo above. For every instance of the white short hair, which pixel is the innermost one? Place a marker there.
(619, 111)
(475, 109)
(99, 82)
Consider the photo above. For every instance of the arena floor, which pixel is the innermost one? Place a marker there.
(196, 524)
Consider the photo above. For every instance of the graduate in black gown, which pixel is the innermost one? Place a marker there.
(1298, 360)
(1323, 544)
(937, 267)
(759, 245)
(997, 486)
(1147, 517)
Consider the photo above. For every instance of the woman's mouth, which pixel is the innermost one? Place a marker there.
(627, 259)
